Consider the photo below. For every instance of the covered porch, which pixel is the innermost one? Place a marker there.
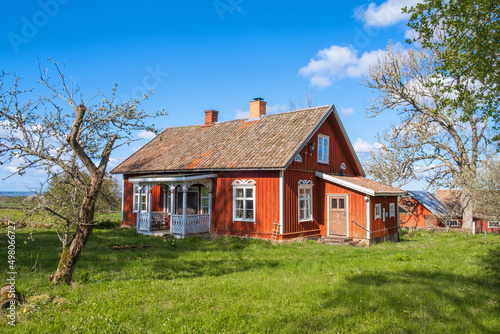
(187, 204)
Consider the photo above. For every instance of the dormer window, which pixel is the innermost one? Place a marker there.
(323, 145)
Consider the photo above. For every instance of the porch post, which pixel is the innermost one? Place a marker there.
(164, 199)
(184, 205)
(150, 213)
(172, 206)
(139, 190)
(209, 210)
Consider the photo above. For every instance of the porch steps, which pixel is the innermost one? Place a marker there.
(337, 241)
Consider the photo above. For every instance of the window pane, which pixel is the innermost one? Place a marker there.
(204, 191)
(249, 193)
(239, 213)
(239, 192)
(301, 214)
(204, 202)
(334, 203)
(302, 204)
(249, 204)
(239, 204)
(341, 203)
(249, 214)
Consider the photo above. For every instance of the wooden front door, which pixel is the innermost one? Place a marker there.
(337, 212)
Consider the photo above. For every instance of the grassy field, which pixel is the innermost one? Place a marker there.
(429, 283)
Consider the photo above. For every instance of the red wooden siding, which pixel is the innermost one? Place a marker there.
(266, 204)
(292, 227)
(416, 216)
(338, 152)
(380, 227)
(356, 209)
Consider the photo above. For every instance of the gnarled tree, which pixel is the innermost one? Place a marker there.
(72, 140)
(434, 140)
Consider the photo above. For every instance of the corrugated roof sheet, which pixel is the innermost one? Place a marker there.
(267, 143)
(430, 202)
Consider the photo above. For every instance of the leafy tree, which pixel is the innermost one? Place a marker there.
(465, 35)
(433, 140)
(72, 140)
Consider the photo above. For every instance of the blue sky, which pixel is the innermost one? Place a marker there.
(199, 55)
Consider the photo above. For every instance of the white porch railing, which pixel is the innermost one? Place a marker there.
(143, 221)
(194, 224)
(156, 219)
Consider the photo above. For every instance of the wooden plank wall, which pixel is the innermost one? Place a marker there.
(356, 210)
(338, 152)
(292, 227)
(378, 224)
(266, 204)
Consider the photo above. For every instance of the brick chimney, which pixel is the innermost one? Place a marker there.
(257, 108)
(211, 117)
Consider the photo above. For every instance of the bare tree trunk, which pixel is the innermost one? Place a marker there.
(467, 210)
(71, 254)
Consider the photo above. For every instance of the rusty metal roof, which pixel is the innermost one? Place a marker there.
(269, 142)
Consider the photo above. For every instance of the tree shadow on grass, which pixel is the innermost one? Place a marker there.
(167, 258)
(413, 301)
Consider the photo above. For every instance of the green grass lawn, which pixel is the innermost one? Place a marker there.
(429, 283)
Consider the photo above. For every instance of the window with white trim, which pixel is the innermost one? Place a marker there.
(204, 200)
(378, 211)
(143, 200)
(392, 210)
(244, 201)
(493, 224)
(323, 144)
(305, 202)
(454, 223)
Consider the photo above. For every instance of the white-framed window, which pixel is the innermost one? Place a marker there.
(305, 205)
(323, 145)
(493, 224)
(168, 201)
(244, 200)
(378, 211)
(143, 198)
(454, 223)
(204, 200)
(392, 210)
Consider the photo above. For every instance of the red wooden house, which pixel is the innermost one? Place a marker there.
(481, 223)
(291, 174)
(422, 209)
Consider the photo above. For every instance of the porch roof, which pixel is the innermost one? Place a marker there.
(170, 178)
(361, 184)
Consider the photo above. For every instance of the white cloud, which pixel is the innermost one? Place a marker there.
(363, 147)
(338, 62)
(384, 15)
(410, 34)
(277, 108)
(346, 111)
(146, 135)
(241, 114)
